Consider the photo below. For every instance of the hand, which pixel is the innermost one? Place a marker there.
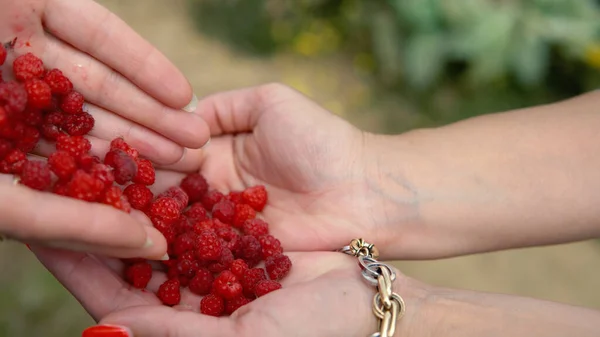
(132, 89)
(327, 283)
(311, 161)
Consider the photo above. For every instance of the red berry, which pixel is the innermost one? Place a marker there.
(224, 211)
(169, 292)
(202, 283)
(102, 173)
(234, 304)
(50, 131)
(36, 175)
(84, 186)
(202, 226)
(227, 286)
(145, 173)
(77, 146)
(3, 54)
(270, 245)
(79, 125)
(187, 268)
(32, 117)
(14, 161)
(72, 103)
(165, 209)
(120, 144)
(28, 139)
(235, 197)
(39, 94)
(88, 161)
(278, 266)
(255, 227)
(211, 198)
(212, 305)
(5, 147)
(196, 212)
(139, 196)
(178, 194)
(195, 186)
(62, 164)
(58, 82)
(165, 228)
(209, 246)
(266, 286)
(113, 196)
(238, 268)
(13, 96)
(256, 196)
(249, 250)
(242, 213)
(139, 274)
(224, 261)
(55, 117)
(185, 242)
(183, 225)
(124, 166)
(28, 66)
(250, 280)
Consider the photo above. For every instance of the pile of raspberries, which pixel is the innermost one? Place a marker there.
(218, 246)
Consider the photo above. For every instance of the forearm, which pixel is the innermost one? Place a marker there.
(469, 314)
(522, 178)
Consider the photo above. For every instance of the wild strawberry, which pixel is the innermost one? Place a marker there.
(139, 196)
(278, 266)
(195, 186)
(72, 103)
(28, 66)
(255, 196)
(39, 94)
(212, 305)
(266, 286)
(62, 164)
(145, 173)
(36, 175)
(242, 213)
(58, 82)
(139, 274)
(169, 292)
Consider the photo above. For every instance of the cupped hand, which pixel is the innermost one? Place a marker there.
(312, 162)
(324, 295)
(132, 89)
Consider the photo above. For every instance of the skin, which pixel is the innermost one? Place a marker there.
(328, 182)
(133, 92)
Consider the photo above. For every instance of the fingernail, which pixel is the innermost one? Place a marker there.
(164, 257)
(107, 331)
(206, 144)
(149, 243)
(191, 107)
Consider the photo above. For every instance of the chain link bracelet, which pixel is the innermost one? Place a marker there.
(388, 306)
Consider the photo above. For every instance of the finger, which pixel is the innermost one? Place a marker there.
(32, 216)
(106, 88)
(96, 31)
(98, 288)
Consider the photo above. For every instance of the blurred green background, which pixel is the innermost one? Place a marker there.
(386, 66)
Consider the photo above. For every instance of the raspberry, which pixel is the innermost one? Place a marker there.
(196, 212)
(61, 188)
(187, 268)
(227, 286)
(250, 250)
(15, 160)
(84, 186)
(77, 146)
(202, 226)
(3, 54)
(62, 164)
(212, 305)
(58, 82)
(166, 229)
(183, 225)
(120, 144)
(113, 196)
(36, 175)
(242, 212)
(202, 283)
(79, 125)
(32, 117)
(139, 196)
(211, 198)
(178, 194)
(266, 286)
(50, 131)
(209, 246)
(4, 118)
(256, 197)
(13, 96)
(195, 186)
(185, 242)
(72, 103)
(238, 268)
(145, 173)
(139, 274)
(165, 209)
(270, 245)
(235, 197)
(278, 266)
(255, 227)
(251, 279)
(87, 162)
(169, 292)
(234, 304)
(28, 140)
(124, 166)
(28, 66)
(55, 117)
(224, 211)
(39, 94)
(5, 147)
(223, 263)
(103, 173)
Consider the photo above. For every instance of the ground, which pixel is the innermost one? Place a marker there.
(33, 304)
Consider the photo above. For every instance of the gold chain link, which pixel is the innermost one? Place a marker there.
(388, 306)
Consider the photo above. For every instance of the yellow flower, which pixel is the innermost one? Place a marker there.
(592, 55)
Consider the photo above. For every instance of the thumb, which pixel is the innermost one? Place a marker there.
(160, 321)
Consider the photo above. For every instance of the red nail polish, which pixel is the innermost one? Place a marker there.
(106, 331)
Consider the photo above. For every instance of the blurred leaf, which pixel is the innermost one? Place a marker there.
(421, 14)
(424, 56)
(529, 57)
(386, 44)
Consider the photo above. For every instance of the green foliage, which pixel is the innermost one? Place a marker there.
(526, 52)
